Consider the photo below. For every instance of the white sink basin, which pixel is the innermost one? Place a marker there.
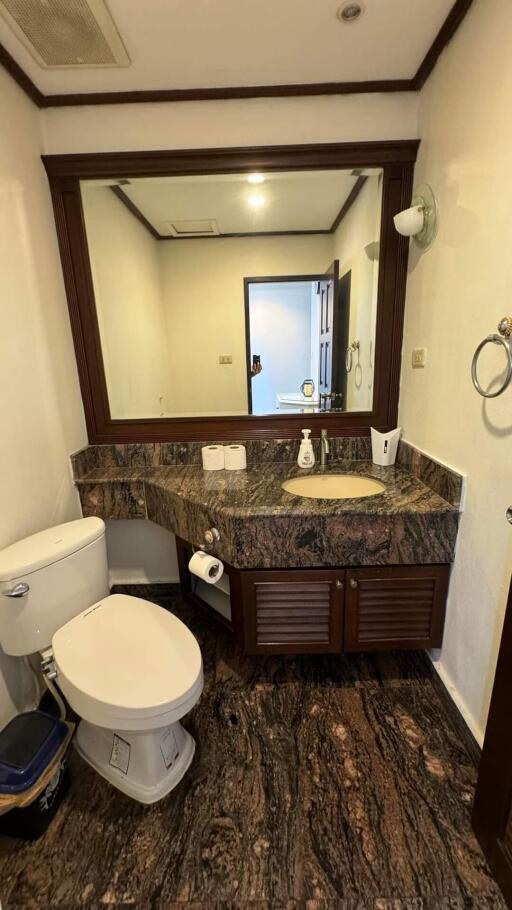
(333, 486)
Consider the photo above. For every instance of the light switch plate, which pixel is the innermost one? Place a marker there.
(225, 358)
(419, 357)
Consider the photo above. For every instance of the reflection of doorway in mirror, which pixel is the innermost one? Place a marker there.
(283, 326)
(297, 334)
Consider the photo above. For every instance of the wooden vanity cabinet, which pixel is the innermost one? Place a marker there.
(293, 611)
(395, 607)
(329, 611)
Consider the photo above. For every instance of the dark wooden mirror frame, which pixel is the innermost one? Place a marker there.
(65, 172)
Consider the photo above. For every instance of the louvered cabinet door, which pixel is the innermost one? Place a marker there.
(395, 607)
(293, 611)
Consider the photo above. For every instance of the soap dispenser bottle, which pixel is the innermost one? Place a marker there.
(306, 457)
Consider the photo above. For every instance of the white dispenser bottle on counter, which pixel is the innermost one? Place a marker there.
(306, 457)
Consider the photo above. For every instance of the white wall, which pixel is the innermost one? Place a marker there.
(128, 291)
(41, 415)
(215, 124)
(280, 325)
(457, 292)
(361, 226)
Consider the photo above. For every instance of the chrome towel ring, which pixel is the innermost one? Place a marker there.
(504, 338)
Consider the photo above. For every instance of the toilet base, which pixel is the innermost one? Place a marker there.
(144, 764)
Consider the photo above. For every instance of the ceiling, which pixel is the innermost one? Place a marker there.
(186, 44)
(289, 201)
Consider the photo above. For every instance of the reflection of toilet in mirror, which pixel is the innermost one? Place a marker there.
(130, 669)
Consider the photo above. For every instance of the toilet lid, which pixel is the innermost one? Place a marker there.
(129, 654)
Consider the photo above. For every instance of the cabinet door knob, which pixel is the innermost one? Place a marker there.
(339, 584)
(353, 583)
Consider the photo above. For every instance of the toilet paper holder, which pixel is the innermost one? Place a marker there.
(211, 536)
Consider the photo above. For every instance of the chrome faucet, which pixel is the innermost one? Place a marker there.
(325, 447)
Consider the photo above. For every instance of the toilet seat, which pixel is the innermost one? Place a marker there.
(127, 664)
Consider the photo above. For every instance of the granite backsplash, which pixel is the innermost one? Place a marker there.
(443, 480)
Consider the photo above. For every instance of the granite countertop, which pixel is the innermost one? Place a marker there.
(263, 526)
(258, 491)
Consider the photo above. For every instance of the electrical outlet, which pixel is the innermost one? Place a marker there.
(419, 357)
(225, 358)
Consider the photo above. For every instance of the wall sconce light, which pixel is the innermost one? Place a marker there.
(420, 221)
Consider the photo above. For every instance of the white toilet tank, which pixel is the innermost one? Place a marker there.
(66, 571)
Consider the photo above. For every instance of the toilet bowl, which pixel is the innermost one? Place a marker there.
(130, 669)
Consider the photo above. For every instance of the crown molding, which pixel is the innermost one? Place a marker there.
(444, 36)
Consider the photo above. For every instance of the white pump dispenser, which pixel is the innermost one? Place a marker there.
(306, 457)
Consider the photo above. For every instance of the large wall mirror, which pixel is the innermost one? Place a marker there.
(234, 292)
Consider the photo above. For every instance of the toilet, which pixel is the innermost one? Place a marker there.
(128, 668)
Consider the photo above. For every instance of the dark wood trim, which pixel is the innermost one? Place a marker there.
(65, 171)
(492, 809)
(229, 93)
(242, 159)
(309, 89)
(247, 282)
(444, 36)
(234, 235)
(121, 195)
(19, 75)
(349, 201)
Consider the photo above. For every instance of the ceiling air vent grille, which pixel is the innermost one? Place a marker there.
(198, 228)
(65, 33)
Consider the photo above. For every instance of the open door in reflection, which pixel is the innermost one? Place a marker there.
(297, 342)
(284, 343)
(334, 297)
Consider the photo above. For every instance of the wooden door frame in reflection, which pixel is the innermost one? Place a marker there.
(396, 159)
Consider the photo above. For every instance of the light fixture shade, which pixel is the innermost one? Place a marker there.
(410, 221)
(419, 221)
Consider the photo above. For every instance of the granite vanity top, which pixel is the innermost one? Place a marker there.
(263, 526)
(258, 490)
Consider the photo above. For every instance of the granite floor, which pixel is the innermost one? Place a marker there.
(319, 783)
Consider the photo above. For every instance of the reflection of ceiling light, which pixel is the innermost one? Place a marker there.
(256, 178)
(350, 12)
(256, 201)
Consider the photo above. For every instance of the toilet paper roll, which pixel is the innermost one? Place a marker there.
(213, 458)
(206, 567)
(235, 458)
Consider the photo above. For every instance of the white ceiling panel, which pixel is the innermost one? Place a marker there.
(289, 201)
(183, 44)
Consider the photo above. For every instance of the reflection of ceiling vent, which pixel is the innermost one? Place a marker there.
(66, 32)
(205, 228)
